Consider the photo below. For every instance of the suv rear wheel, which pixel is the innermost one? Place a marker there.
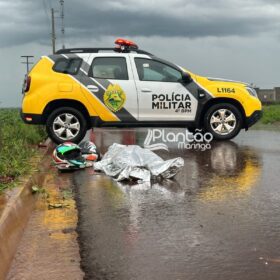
(66, 124)
(223, 120)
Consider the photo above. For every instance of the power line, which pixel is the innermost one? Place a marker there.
(27, 62)
(46, 12)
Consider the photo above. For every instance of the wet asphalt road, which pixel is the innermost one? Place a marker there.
(219, 219)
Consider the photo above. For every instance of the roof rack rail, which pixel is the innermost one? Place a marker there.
(96, 50)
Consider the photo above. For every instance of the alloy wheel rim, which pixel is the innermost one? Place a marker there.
(223, 121)
(66, 126)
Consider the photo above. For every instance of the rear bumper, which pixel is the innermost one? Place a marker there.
(253, 118)
(31, 118)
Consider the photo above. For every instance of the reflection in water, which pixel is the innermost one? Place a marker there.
(142, 194)
(214, 222)
(165, 186)
(223, 158)
(223, 171)
(233, 171)
(227, 171)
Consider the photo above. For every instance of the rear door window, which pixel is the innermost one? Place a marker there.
(109, 68)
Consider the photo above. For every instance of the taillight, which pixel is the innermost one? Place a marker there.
(26, 84)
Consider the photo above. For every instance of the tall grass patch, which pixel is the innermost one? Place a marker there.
(18, 143)
(271, 114)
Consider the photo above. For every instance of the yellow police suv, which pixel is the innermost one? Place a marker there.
(79, 88)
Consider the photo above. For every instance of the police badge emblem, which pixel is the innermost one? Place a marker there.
(114, 97)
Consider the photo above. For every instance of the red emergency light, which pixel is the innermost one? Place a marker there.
(124, 45)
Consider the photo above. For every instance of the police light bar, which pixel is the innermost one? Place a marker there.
(124, 45)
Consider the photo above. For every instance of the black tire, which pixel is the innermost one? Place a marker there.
(224, 134)
(78, 120)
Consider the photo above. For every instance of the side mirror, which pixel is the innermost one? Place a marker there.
(186, 78)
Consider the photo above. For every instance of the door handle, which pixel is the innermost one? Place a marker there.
(93, 88)
(146, 90)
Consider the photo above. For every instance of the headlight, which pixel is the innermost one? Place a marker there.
(252, 91)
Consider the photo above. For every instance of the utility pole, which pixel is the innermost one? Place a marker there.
(53, 31)
(27, 62)
(62, 22)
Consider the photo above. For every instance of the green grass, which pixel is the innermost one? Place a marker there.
(271, 114)
(18, 144)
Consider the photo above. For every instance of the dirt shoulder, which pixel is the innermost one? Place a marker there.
(270, 126)
(49, 243)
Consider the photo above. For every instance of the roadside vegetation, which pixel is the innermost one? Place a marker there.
(18, 144)
(271, 114)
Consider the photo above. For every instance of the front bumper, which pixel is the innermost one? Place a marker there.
(31, 118)
(253, 118)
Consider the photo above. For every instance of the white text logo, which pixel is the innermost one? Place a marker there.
(161, 139)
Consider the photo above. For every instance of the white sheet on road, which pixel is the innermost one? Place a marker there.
(133, 162)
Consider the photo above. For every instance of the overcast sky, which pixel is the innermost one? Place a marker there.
(235, 39)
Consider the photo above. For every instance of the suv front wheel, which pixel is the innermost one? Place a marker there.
(66, 124)
(223, 120)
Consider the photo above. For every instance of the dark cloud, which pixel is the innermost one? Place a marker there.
(193, 18)
(26, 21)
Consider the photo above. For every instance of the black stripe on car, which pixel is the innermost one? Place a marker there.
(82, 77)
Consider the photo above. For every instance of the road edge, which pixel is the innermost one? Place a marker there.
(18, 210)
